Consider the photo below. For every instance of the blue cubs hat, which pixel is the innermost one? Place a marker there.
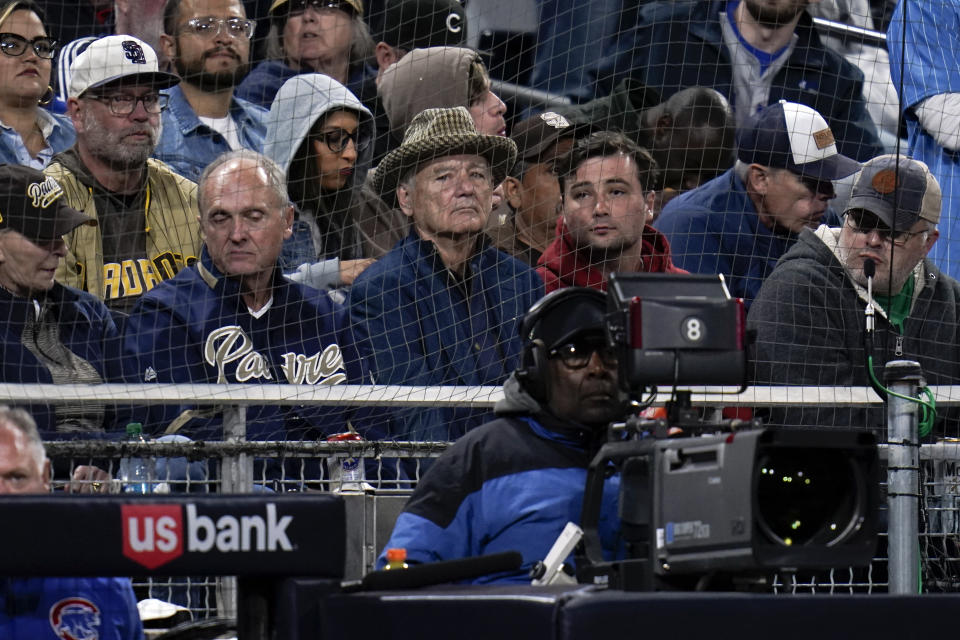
(792, 136)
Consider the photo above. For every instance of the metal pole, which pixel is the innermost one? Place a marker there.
(236, 476)
(903, 377)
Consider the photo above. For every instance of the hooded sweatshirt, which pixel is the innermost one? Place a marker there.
(300, 102)
(433, 78)
(561, 265)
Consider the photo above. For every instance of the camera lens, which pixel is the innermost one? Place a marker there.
(806, 496)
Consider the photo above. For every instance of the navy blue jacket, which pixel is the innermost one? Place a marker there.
(410, 324)
(676, 45)
(509, 485)
(196, 328)
(715, 229)
(57, 608)
(86, 328)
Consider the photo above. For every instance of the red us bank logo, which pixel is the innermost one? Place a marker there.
(152, 533)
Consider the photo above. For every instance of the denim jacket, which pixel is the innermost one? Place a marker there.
(188, 145)
(57, 130)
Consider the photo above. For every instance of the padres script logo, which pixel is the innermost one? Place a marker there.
(43, 194)
(231, 344)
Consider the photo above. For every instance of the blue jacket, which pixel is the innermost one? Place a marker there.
(413, 326)
(676, 45)
(57, 608)
(86, 328)
(188, 145)
(196, 328)
(715, 229)
(509, 485)
(61, 137)
(264, 81)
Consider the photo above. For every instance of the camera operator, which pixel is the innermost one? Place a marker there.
(515, 482)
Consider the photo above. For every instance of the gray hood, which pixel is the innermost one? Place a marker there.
(433, 78)
(516, 400)
(299, 103)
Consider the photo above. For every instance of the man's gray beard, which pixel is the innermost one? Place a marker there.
(119, 157)
(209, 82)
(772, 18)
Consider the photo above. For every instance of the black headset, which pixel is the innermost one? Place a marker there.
(532, 373)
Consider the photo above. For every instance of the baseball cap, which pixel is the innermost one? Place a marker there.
(419, 24)
(792, 136)
(535, 134)
(563, 315)
(898, 190)
(351, 6)
(30, 204)
(117, 58)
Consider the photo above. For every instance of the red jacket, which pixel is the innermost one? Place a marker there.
(561, 265)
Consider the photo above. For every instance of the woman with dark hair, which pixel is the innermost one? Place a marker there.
(29, 134)
(313, 36)
(320, 135)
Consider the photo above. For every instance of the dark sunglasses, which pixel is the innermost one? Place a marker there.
(14, 45)
(576, 355)
(337, 139)
(864, 222)
(296, 7)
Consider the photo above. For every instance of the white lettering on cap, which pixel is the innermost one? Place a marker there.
(808, 133)
(453, 23)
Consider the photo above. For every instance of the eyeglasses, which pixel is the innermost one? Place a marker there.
(866, 224)
(14, 45)
(122, 104)
(299, 6)
(337, 139)
(577, 355)
(210, 27)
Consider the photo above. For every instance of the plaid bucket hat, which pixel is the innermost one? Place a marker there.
(435, 133)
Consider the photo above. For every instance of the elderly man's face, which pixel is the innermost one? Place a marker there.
(27, 266)
(22, 469)
(787, 202)
(864, 236)
(312, 36)
(604, 205)
(449, 196)
(243, 220)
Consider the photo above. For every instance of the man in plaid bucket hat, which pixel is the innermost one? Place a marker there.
(442, 308)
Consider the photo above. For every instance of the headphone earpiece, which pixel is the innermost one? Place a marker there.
(532, 375)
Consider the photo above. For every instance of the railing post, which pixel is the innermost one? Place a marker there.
(905, 378)
(236, 476)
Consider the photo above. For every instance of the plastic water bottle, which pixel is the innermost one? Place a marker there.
(137, 474)
(346, 471)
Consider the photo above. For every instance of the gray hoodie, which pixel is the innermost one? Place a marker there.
(299, 103)
(433, 78)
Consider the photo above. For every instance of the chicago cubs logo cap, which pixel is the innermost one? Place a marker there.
(116, 58)
(419, 24)
(792, 136)
(30, 204)
(898, 190)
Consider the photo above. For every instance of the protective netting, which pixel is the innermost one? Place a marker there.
(394, 282)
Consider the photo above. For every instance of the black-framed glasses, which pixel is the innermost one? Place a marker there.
(576, 355)
(122, 104)
(866, 223)
(299, 6)
(210, 27)
(337, 139)
(14, 45)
